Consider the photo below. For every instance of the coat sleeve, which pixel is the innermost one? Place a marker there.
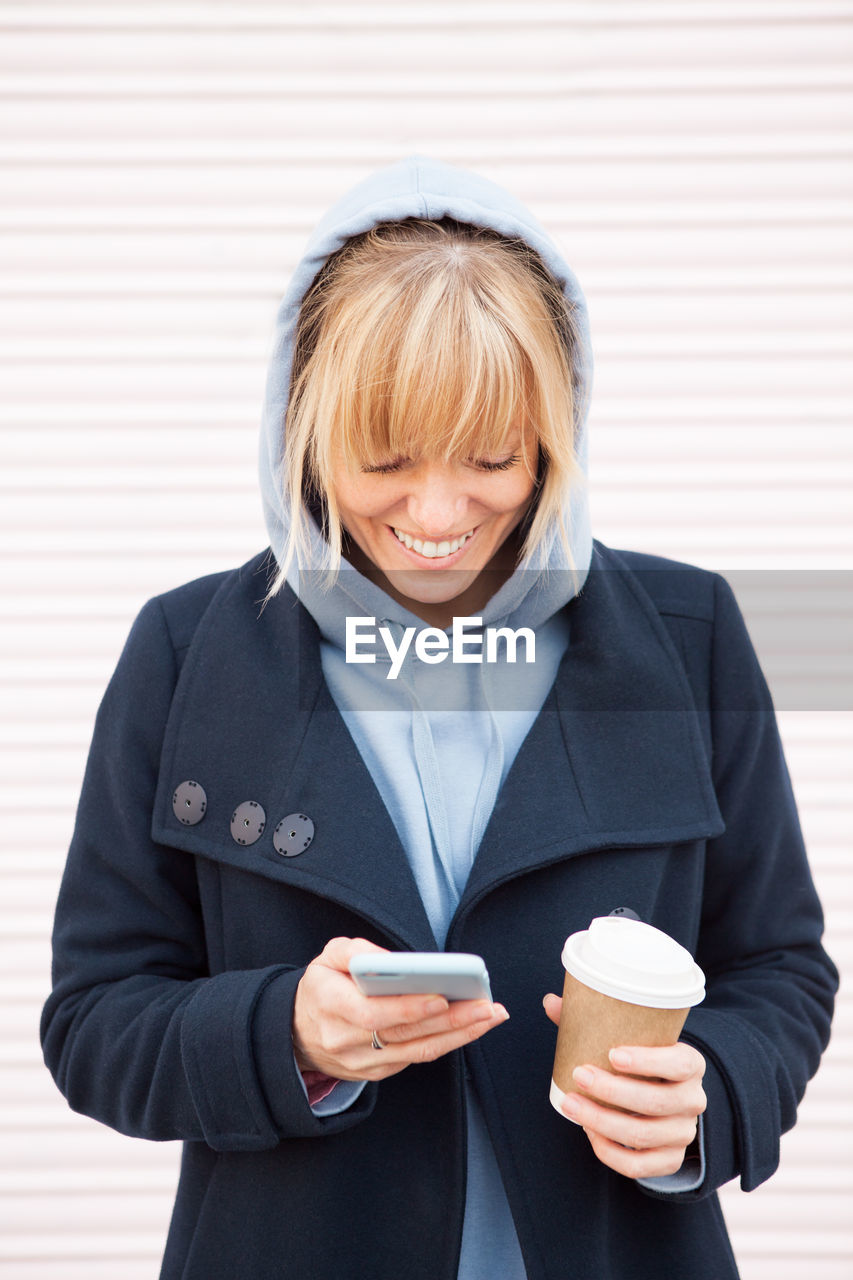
(136, 1032)
(770, 985)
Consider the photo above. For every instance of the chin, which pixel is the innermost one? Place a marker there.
(414, 586)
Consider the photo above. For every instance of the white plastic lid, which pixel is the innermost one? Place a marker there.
(635, 962)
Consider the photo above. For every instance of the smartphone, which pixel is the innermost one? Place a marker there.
(452, 974)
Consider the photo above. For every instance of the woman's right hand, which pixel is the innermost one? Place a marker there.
(333, 1022)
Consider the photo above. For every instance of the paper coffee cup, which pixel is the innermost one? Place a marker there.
(626, 983)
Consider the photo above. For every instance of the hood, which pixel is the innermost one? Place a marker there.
(420, 187)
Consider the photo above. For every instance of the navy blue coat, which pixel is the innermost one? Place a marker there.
(653, 778)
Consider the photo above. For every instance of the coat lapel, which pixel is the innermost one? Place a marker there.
(253, 719)
(616, 752)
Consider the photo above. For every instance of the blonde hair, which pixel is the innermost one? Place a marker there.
(429, 338)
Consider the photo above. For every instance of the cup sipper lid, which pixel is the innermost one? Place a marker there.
(632, 961)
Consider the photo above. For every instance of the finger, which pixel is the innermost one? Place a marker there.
(372, 1065)
(428, 1048)
(383, 1013)
(336, 993)
(639, 1132)
(338, 952)
(675, 1062)
(331, 1018)
(369, 1011)
(647, 1097)
(553, 1005)
(459, 1015)
(363, 1062)
(636, 1164)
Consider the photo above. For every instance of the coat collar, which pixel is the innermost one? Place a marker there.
(616, 752)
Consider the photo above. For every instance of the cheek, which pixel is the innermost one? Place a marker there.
(359, 504)
(514, 499)
(376, 515)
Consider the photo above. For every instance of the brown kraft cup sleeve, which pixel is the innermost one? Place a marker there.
(591, 1024)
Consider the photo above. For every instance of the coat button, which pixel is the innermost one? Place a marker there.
(293, 835)
(247, 822)
(189, 803)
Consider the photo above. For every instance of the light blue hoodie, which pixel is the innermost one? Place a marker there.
(438, 740)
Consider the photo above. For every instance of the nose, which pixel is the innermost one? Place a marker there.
(436, 503)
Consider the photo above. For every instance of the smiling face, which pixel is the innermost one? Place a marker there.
(426, 530)
(433, 367)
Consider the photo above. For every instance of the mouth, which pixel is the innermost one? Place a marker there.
(425, 550)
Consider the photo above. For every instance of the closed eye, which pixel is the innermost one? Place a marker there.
(504, 465)
(482, 464)
(384, 468)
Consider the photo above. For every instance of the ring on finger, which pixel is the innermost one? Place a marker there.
(376, 1042)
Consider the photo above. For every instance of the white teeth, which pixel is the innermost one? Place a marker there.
(432, 550)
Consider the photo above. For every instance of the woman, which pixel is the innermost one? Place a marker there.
(291, 765)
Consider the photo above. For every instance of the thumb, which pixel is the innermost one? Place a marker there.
(338, 952)
(552, 1005)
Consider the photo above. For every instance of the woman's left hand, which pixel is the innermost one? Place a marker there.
(661, 1092)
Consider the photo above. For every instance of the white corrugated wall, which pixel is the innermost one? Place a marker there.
(162, 166)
